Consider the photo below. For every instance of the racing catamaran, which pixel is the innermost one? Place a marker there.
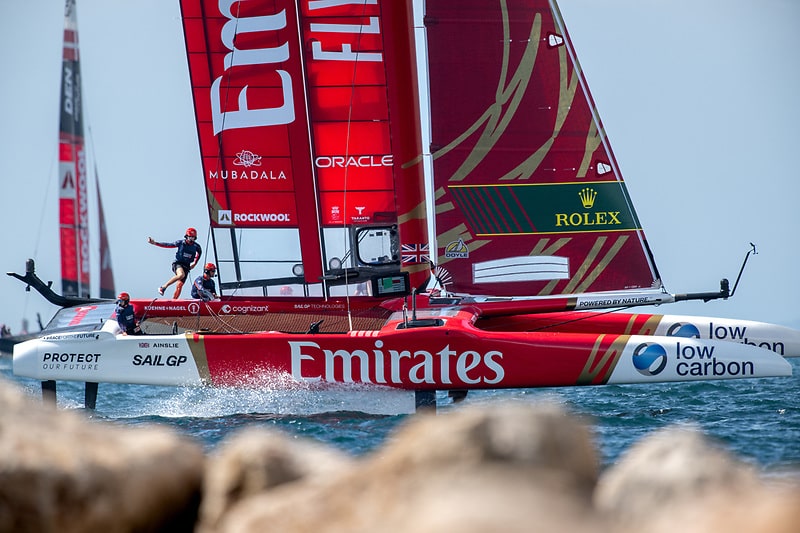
(501, 257)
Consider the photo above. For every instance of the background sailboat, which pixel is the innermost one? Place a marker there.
(74, 200)
(79, 214)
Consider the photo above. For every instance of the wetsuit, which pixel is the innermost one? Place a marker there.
(127, 320)
(186, 254)
(204, 288)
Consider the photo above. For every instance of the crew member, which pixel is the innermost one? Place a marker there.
(204, 287)
(186, 258)
(126, 315)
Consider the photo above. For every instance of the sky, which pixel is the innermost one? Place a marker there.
(699, 99)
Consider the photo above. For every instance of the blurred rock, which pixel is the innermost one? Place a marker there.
(508, 467)
(498, 468)
(62, 473)
(676, 479)
(256, 460)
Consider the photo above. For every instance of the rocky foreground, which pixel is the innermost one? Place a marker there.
(503, 467)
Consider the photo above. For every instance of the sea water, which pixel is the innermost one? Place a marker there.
(758, 420)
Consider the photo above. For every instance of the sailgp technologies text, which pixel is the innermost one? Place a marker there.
(396, 366)
(70, 361)
(699, 361)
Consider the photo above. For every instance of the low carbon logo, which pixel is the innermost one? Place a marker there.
(683, 329)
(649, 359)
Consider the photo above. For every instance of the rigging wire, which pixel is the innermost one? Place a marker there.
(209, 233)
(346, 171)
(587, 316)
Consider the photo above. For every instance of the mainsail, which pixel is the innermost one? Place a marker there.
(529, 197)
(73, 196)
(308, 129)
(74, 200)
(106, 271)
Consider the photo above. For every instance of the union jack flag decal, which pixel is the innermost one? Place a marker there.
(414, 253)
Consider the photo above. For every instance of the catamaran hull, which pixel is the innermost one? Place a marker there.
(779, 339)
(452, 355)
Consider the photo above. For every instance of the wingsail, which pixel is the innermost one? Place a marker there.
(309, 135)
(529, 197)
(73, 196)
(107, 289)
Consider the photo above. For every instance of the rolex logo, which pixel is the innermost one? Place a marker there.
(587, 197)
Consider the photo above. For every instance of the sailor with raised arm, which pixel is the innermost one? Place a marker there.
(186, 257)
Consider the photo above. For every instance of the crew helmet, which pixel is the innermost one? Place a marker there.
(124, 296)
(210, 268)
(190, 232)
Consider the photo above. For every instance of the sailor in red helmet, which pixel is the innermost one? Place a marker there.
(204, 287)
(186, 258)
(126, 315)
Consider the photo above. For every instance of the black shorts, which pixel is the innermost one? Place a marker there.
(186, 269)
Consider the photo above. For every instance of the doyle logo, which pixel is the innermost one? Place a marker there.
(683, 329)
(587, 197)
(456, 249)
(246, 158)
(649, 359)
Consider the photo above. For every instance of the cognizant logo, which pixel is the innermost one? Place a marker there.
(649, 359)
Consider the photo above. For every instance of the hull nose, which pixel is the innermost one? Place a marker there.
(25, 361)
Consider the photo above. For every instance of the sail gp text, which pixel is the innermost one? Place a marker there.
(404, 366)
(700, 361)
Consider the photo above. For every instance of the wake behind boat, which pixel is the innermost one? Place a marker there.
(311, 135)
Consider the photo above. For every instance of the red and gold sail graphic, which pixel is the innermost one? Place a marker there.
(73, 197)
(300, 128)
(529, 197)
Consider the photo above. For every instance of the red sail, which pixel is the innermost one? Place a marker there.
(106, 271)
(300, 134)
(529, 197)
(73, 197)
